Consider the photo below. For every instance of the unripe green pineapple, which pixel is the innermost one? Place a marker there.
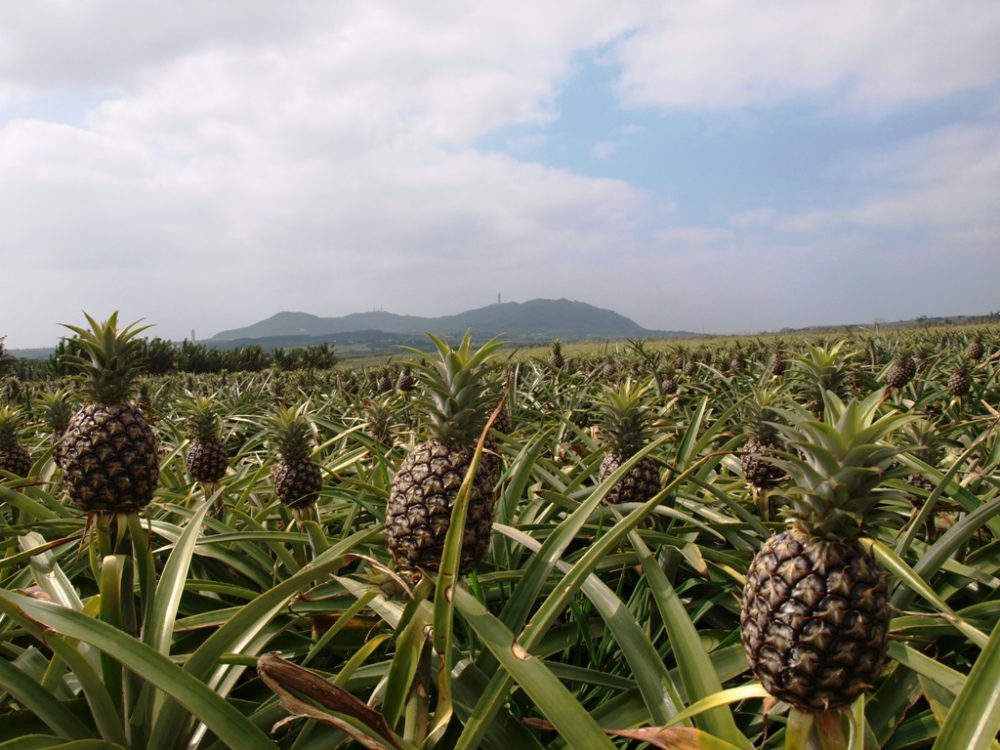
(14, 457)
(815, 618)
(297, 477)
(206, 459)
(455, 404)
(624, 428)
(109, 451)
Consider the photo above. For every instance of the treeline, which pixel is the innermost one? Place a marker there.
(163, 357)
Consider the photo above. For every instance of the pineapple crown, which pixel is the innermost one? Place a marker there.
(924, 440)
(456, 396)
(109, 360)
(57, 409)
(840, 464)
(203, 422)
(10, 427)
(758, 414)
(293, 432)
(623, 417)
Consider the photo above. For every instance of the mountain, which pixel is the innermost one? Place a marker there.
(538, 319)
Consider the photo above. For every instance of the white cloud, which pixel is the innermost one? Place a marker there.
(236, 158)
(604, 149)
(722, 54)
(756, 217)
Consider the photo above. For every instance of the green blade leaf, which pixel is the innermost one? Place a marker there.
(223, 719)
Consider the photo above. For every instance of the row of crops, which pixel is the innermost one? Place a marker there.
(747, 544)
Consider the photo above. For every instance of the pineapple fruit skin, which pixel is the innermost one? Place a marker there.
(297, 483)
(423, 493)
(758, 470)
(815, 620)
(109, 459)
(16, 460)
(207, 460)
(637, 486)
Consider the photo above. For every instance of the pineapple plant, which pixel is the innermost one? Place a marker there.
(455, 405)
(815, 613)
(297, 477)
(556, 358)
(763, 442)
(206, 458)
(378, 415)
(14, 457)
(109, 451)
(623, 422)
(56, 410)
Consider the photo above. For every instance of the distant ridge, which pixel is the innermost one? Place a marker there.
(538, 319)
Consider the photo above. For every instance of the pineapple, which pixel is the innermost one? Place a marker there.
(763, 443)
(206, 459)
(424, 489)
(378, 415)
(624, 425)
(976, 349)
(297, 477)
(778, 364)
(556, 358)
(900, 372)
(14, 457)
(405, 380)
(815, 614)
(56, 410)
(960, 382)
(109, 451)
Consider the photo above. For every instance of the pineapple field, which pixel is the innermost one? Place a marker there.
(716, 545)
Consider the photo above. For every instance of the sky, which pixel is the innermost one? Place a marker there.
(705, 165)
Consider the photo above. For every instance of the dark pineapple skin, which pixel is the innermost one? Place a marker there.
(638, 485)
(758, 470)
(207, 460)
(298, 479)
(420, 505)
(297, 483)
(815, 626)
(108, 453)
(624, 423)
(815, 614)
(456, 400)
(109, 458)
(14, 457)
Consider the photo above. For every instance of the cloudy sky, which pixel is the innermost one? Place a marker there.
(694, 164)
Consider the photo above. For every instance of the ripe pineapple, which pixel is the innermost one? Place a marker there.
(624, 427)
(14, 457)
(207, 459)
(418, 514)
(109, 451)
(297, 477)
(815, 617)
